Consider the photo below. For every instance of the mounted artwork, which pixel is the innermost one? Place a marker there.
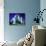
(17, 18)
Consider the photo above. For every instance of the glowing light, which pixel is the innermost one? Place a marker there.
(1, 21)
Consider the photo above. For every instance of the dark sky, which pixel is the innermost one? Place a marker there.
(11, 15)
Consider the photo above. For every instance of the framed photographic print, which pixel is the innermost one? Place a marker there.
(17, 18)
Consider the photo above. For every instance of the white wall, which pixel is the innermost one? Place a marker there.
(43, 6)
(29, 7)
(1, 21)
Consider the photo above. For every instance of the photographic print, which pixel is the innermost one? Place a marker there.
(17, 18)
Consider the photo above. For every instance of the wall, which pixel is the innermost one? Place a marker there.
(43, 6)
(1, 21)
(29, 7)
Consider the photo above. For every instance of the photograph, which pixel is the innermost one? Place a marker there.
(17, 18)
